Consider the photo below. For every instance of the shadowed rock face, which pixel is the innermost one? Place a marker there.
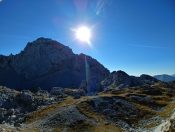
(120, 79)
(46, 63)
(116, 78)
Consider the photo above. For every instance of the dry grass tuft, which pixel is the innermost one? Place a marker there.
(167, 110)
(39, 114)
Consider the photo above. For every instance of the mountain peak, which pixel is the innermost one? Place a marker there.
(119, 73)
(45, 43)
(120, 79)
(47, 63)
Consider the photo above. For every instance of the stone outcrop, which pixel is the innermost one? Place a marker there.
(120, 79)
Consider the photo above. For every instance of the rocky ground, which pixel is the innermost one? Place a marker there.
(134, 109)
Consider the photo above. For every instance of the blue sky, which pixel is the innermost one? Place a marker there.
(137, 36)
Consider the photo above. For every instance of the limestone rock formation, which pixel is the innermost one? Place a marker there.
(47, 63)
(120, 79)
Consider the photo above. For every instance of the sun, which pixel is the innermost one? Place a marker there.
(83, 33)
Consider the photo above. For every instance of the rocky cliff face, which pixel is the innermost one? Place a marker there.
(120, 79)
(46, 63)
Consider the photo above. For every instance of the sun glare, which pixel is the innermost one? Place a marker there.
(83, 34)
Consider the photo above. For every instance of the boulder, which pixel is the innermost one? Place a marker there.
(43, 93)
(57, 91)
(25, 97)
(76, 93)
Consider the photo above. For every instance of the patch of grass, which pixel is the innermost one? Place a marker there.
(162, 100)
(81, 126)
(45, 111)
(20, 129)
(107, 128)
(166, 113)
(144, 111)
(151, 125)
(31, 130)
(86, 109)
(167, 110)
(57, 130)
(162, 103)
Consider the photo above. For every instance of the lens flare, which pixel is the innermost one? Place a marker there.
(83, 34)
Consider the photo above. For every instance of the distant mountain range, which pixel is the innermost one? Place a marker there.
(165, 77)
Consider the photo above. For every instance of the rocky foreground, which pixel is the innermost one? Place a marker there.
(132, 109)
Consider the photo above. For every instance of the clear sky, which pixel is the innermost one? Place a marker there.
(137, 36)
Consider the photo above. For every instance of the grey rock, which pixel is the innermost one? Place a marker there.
(142, 99)
(120, 80)
(83, 85)
(26, 97)
(43, 93)
(47, 63)
(115, 79)
(114, 107)
(76, 93)
(57, 91)
(65, 117)
(109, 112)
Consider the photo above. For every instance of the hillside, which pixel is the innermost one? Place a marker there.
(138, 109)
